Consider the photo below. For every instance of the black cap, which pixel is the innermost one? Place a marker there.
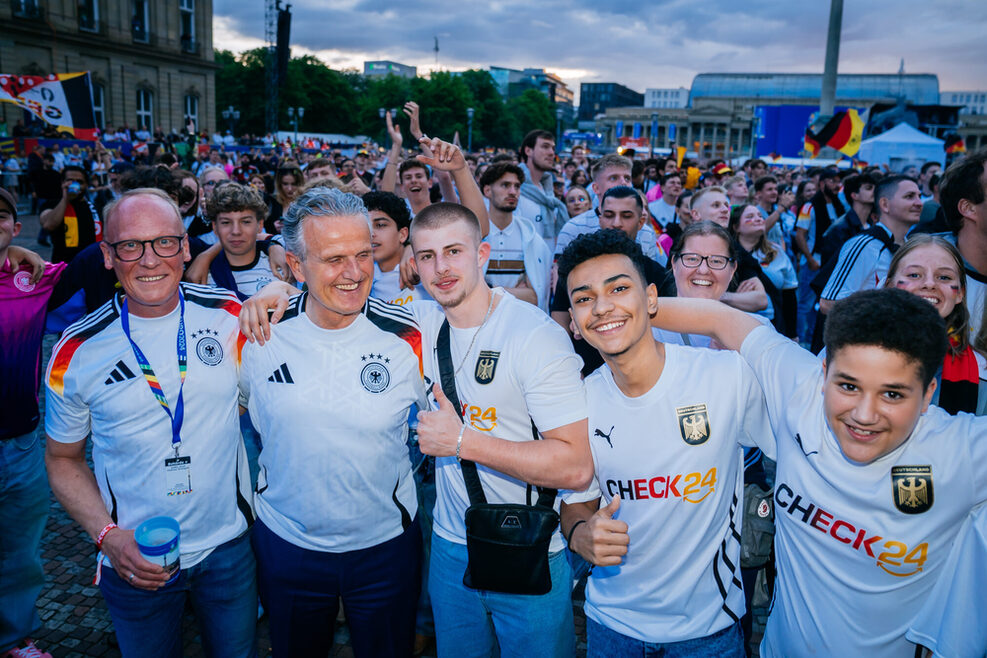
(8, 198)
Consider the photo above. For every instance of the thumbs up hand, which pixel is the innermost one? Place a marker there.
(438, 431)
(604, 540)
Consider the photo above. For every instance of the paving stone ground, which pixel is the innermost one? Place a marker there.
(76, 622)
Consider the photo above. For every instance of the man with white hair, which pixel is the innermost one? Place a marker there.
(329, 394)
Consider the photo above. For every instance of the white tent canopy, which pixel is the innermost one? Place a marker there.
(901, 147)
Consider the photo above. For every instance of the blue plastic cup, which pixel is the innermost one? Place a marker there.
(157, 540)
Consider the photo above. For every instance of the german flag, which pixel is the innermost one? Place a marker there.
(954, 144)
(811, 143)
(843, 133)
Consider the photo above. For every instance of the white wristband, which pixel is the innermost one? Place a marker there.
(459, 442)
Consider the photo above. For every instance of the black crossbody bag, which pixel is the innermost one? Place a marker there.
(507, 543)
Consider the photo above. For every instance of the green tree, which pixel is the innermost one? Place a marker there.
(492, 124)
(531, 111)
(240, 82)
(329, 99)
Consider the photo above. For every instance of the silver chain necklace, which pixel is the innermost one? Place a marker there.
(475, 333)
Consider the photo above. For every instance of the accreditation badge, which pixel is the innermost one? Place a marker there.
(178, 476)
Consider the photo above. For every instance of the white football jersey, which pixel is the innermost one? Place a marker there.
(387, 288)
(858, 546)
(674, 457)
(331, 407)
(94, 384)
(951, 622)
(521, 369)
(251, 278)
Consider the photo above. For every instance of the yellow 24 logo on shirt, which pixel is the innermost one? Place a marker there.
(483, 420)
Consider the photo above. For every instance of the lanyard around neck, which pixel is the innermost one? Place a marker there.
(152, 380)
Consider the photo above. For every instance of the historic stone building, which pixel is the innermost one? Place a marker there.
(151, 60)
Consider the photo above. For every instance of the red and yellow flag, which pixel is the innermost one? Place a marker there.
(64, 100)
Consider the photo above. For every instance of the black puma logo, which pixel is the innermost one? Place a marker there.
(597, 432)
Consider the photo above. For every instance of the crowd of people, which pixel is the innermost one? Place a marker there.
(439, 389)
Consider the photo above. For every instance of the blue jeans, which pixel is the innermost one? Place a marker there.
(223, 591)
(601, 642)
(806, 314)
(471, 622)
(301, 588)
(24, 501)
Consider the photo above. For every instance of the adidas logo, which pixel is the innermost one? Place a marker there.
(119, 373)
(281, 375)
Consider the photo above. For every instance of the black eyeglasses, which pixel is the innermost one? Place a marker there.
(130, 250)
(695, 260)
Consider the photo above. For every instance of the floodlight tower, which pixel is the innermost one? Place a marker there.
(273, 83)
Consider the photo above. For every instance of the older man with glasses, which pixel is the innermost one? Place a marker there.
(152, 375)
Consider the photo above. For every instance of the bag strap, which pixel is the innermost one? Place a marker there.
(447, 379)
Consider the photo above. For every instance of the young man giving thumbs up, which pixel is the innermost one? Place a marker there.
(666, 426)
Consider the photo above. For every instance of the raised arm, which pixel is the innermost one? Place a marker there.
(727, 326)
(389, 181)
(52, 218)
(447, 157)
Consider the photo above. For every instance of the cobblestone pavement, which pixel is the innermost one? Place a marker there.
(76, 622)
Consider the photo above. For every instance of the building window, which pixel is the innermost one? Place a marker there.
(98, 105)
(139, 23)
(89, 15)
(186, 10)
(27, 9)
(192, 110)
(145, 109)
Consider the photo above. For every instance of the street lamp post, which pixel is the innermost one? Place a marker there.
(469, 130)
(295, 114)
(558, 126)
(654, 132)
(387, 138)
(232, 115)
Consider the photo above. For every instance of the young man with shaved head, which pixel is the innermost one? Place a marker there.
(152, 375)
(515, 374)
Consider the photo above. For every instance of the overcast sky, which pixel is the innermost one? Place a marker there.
(641, 43)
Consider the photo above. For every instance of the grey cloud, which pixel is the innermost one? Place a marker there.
(641, 43)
